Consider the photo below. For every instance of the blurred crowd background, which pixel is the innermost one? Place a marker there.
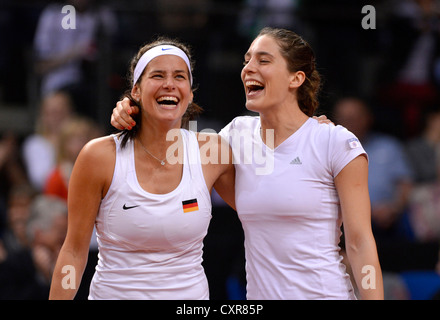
(58, 88)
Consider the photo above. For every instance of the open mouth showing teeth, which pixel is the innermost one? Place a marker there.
(168, 100)
(254, 86)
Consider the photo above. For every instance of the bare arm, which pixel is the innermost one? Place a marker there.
(218, 169)
(352, 186)
(225, 187)
(89, 181)
(225, 184)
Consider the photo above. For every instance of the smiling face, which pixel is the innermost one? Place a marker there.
(164, 91)
(266, 78)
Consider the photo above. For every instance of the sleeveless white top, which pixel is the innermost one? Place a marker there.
(290, 211)
(151, 245)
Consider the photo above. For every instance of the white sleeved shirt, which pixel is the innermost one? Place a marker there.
(151, 245)
(290, 210)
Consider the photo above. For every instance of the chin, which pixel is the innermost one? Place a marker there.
(252, 106)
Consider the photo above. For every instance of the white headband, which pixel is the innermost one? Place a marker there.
(159, 51)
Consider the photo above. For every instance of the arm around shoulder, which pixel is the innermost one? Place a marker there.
(219, 171)
(225, 183)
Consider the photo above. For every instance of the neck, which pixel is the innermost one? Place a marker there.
(284, 120)
(154, 137)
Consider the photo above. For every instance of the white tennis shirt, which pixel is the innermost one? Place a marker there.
(290, 213)
(150, 245)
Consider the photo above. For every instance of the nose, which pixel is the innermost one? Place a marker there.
(249, 67)
(168, 83)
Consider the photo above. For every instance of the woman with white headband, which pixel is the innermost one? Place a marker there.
(147, 190)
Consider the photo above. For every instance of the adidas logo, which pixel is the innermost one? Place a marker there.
(297, 160)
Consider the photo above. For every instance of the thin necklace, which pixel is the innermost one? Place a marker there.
(162, 162)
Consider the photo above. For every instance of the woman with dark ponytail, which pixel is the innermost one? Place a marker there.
(296, 181)
(299, 56)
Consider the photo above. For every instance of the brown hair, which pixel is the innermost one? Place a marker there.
(300, 57)
(193, 109)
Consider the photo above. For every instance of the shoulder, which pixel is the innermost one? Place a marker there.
(206, 135)
(211, 144)
(329, 129)
(332, 134)
(98, 152)
(336, 144)
(99, 145)
(215, 152)
(95, 164)
(241, 123)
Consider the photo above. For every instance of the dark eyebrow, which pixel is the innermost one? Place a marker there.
(259, 54)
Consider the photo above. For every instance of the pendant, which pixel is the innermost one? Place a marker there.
(162, 162)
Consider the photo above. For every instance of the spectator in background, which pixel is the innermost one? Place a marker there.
(73, 136)
(26, 273)
(12, 171)
(14, 237)
(389, 177)
(39, 149)
(424, 150)
(411, 57)
(424, 155)
(64, 58)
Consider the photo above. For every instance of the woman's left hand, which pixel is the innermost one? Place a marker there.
(323, 119)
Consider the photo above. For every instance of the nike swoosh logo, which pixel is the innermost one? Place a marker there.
(131, 207)
(165, 49)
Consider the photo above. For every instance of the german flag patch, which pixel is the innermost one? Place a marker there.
(190, 205)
